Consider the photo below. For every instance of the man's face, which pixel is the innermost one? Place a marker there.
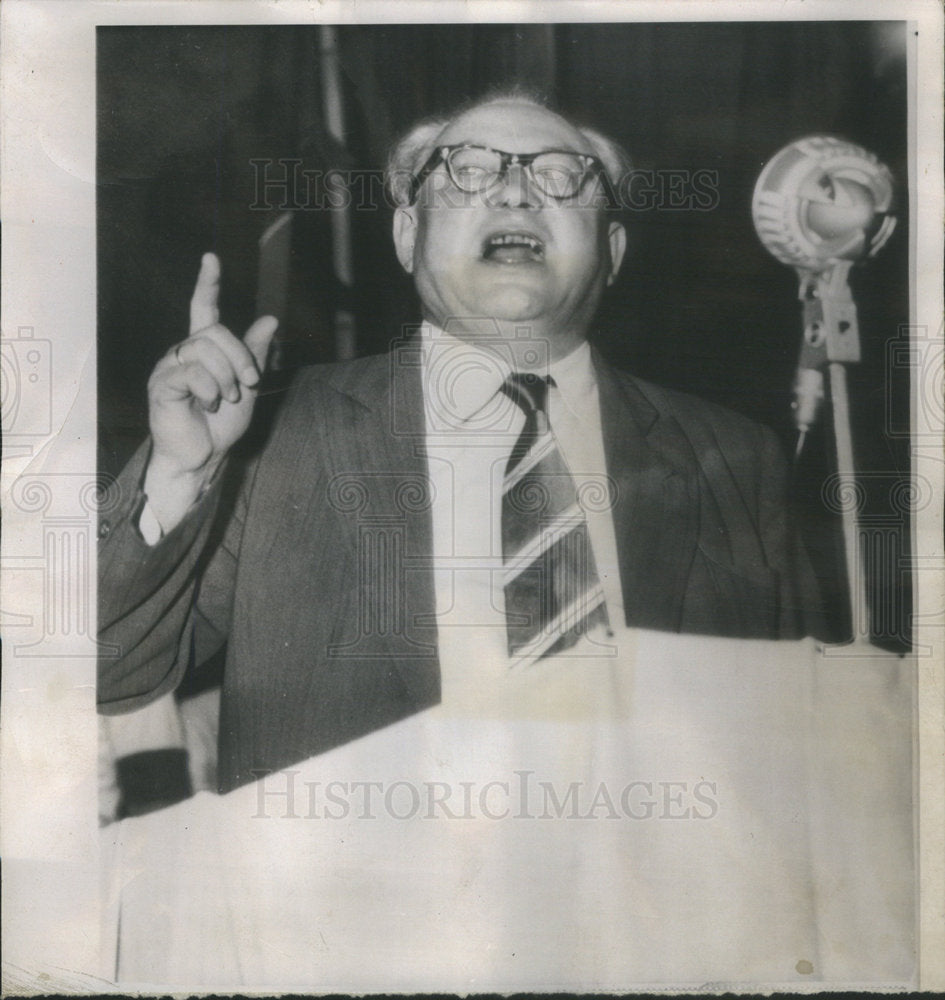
(512, 253)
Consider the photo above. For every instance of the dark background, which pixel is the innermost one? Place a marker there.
(700, 305)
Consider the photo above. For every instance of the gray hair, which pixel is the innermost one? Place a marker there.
(412, 150)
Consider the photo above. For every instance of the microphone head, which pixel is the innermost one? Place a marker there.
(821, 200)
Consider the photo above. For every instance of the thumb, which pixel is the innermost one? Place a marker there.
(259, 337)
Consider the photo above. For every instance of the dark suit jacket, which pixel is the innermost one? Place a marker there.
(318, 574)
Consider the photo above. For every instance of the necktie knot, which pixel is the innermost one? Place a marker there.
(530, 393)
(528, 390)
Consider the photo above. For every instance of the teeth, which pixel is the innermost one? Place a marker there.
(515, 240)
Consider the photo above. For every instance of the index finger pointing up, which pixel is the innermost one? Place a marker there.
(203, 305)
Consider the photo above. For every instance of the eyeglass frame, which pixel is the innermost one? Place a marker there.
(442, 154)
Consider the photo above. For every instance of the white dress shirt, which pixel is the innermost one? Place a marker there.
(471, 427)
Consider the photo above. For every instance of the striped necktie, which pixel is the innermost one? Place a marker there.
(553, 593)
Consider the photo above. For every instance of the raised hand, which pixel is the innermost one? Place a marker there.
(201, 396)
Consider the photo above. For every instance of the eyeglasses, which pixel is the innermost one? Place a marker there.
(558, 173)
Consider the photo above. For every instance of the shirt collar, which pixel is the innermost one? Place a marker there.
(460, 378)
(575, 379)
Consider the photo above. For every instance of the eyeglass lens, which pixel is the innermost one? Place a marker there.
(557, 174)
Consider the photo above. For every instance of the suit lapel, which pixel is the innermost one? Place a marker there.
(389, 463)
(655, 513)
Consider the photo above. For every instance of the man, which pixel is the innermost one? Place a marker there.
(488, 495)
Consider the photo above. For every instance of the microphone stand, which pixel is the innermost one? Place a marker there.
(832, 341)
(819, 204)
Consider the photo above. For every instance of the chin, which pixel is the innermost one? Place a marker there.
(513, 304)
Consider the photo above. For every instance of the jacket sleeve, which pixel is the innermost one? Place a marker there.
(160, 607)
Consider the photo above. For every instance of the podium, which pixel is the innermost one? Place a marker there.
(690, 811)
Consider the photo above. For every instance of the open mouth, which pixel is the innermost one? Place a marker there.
(513, 248)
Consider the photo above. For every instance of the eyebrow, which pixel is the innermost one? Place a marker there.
(530, 152)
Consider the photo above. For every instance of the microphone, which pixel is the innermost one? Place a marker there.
(819, 205)
(820, 200)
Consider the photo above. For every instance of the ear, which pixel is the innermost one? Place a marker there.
(405, 235)
(617, 240)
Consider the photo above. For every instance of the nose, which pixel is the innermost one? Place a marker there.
(515, 190)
